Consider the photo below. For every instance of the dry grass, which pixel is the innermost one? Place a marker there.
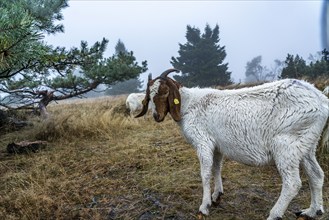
(100, 164)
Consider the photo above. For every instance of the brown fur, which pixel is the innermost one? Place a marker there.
(161, 102)
(174, 106)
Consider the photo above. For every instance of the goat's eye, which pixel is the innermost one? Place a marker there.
(164, 94)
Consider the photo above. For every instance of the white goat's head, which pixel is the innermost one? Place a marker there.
(163, 96)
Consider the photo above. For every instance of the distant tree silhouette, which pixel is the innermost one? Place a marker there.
(256, 72)
(120, 48)
(325, 55)
(127, 86)
(201, 59)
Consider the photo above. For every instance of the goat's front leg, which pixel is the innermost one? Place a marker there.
(217, 171)
(206, 161)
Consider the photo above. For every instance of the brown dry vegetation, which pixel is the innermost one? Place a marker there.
(101, 164)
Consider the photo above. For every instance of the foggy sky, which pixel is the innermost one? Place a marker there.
(153, 29)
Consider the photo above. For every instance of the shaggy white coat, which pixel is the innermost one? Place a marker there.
(275, 123)
(134, 102)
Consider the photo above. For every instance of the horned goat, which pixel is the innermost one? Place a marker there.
(276, 123)
(134, 102)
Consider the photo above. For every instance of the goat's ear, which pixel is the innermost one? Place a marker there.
(174, 100)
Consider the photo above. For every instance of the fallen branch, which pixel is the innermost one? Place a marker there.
(25, 147)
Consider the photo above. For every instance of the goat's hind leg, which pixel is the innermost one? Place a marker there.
(315, 177)
(217, 171)
(288, 168)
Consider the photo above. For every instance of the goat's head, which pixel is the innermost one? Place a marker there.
(163, 96)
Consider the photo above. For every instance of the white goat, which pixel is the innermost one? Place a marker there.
(275, 123)
(134, 102)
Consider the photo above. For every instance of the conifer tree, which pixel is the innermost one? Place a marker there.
(296, 67)
(127, 86)
(201, 59)
(32, 73)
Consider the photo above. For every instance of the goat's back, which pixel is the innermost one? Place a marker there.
(244, 123)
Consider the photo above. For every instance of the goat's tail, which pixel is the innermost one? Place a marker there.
(324, 142)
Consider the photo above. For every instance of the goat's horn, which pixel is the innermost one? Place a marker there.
(165, 73)
(150, 77)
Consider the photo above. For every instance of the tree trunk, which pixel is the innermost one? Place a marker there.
(43, 110)
(47, 97)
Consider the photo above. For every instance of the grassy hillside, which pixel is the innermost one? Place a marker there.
(101, 164)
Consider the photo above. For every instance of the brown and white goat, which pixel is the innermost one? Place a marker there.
(276, 123)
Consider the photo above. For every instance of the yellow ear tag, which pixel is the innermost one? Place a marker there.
(176, 101)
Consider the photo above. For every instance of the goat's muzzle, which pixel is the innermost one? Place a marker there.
(157, 117)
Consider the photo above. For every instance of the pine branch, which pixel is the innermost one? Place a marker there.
(15, 43)
(6, 73)
(79, 92)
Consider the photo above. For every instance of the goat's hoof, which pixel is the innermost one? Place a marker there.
(218, 200)
(200, 216)
(319, 212)
(215, 204)
(298, 213)
(278, 218)
(303, 217)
